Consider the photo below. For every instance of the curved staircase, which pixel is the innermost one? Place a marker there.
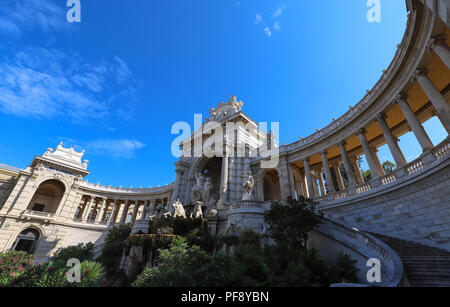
(424, 266)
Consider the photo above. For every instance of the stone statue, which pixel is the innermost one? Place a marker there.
(179, 210)
(197, 213)
(207, 187)
(151, 209)
(248, 187)
(197, 190)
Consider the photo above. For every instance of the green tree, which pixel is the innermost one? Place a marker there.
(82, 252)
(115, 243)
(290, 224)
(185, 266)
(388, 167)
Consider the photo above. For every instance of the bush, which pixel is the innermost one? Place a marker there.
(184, 266)
(82, 252)
(13, 265)
(114, 246)
(55, 275)
(346, 269)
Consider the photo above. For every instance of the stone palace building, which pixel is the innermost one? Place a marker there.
(49, 205)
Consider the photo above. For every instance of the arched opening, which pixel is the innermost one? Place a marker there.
(92, 215)
(47, 197)
(271, 185)
(26, 241)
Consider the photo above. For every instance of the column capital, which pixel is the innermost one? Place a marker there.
(421, 72)
(324, 152)
(353, 158)
(401, 97)
(307, 160)
(361, 131)
(381, 117)
(437, 40)
(341, 143)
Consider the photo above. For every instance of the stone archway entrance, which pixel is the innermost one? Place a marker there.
(26, 241)
(271, 185)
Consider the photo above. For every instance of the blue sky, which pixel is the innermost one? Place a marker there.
(115, 83)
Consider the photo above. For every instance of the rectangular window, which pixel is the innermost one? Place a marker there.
(38, 207)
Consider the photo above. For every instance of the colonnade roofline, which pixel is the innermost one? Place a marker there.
(126, 191)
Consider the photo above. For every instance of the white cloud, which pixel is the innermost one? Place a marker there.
(123, 148)
(258, 19)
(278, 12)
(19, 15)
(276, 26)
(47, 83)
(122, 71)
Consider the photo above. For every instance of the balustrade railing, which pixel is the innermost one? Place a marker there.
(104, 188)
(442, 149)
(439, 152)
(248, 204)
(38, 214)
(388, 179)
(368, 246)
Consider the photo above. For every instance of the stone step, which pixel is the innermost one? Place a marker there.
(425, 266)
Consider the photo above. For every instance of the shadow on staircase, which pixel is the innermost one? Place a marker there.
(424, 266)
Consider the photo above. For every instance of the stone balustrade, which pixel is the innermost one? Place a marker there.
(368, 246)
(104, 188)
(414, 168)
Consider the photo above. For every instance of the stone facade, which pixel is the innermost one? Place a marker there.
(51, 201)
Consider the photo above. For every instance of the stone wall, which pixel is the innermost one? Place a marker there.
(416, 211)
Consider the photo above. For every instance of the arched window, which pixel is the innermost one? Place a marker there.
(26, 241)
(271, 185)
(92, 215)
(78, 213)
(47, 197)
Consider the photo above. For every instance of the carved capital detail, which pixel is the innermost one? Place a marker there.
(401, 96)
(419, 73)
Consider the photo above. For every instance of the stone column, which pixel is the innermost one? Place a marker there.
(224, 182)
(374, 168)
(176, 189)
(112, 219)
(328, 176)
(100, 212)
(377, 160)
(323, 190)
(440, 104)
(340, 180)
(391, 141)
(416, 127)
(125, 212)
(309, 182)
(144, 211)
(291, 180)
(347, 164)
(438, 45)
(88, 209)
(135, 212)
(359, 176)
(316, 187)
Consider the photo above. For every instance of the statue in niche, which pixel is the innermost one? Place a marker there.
(197, 190)
(179, 210)
(207, 187)
(248, 187)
